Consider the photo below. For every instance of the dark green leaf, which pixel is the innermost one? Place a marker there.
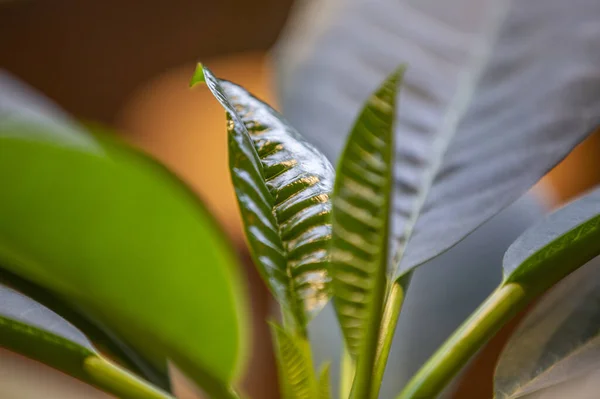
(296, 375)
(564, 240)
(100, 336)
(360, 225)
(32, 330)
(115, 235)
(283, 185)
(558, 342)
(498, 92)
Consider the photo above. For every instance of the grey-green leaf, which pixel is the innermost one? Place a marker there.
(557, 344)
(296, 376)
(360, 223)
(283, 185)
(497, 93)
(564, 240)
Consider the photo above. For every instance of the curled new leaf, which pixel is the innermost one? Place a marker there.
(283, 185)
(324, 382)
(296, 375)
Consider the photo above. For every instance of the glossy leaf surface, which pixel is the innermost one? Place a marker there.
(122, 240)
(565, 239)
(559, 341)
(28, 328)
(360, 222)
(283, 185)
(497, 92)
(296, 376)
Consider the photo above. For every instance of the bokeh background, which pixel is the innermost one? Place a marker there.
(126, 64)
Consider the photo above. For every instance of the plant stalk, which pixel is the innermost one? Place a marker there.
(389, 321)
(120, 382)
(347, 371)
(432, 378)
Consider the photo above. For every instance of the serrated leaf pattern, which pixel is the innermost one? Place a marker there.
(295, 366)
(361, 203)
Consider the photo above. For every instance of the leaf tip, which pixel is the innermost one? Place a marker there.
(198, 76)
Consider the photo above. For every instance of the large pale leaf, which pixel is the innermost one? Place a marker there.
(283, 185)
(563, 241)
(296, 376)
(558, 342)
(360, 222)
(120, 239)
(497, 92)
(35, 331)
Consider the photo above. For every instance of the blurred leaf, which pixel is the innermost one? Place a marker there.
(498, 92)
(325, 382)
(119, 238)
(28, 328)
(558, 342)
(360, 223)
(283, 185)
(296, 376)
(563, 241)
(101, 337)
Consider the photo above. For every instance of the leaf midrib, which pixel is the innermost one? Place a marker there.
(457, 108)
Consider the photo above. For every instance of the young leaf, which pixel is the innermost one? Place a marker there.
(116, 235)
(325, 382)
(498, 92)
(539, 258)
(296, 375)
(558, 342)
(360, 227)
(283, 185)
(28, 328)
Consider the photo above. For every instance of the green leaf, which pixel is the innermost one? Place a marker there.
(283, 185)
(543, 255)
(563, 241)
(490, 94)
(296, 375)
(361, 217)
(114, 234)
(28, 328)
(558, 342)
(102, 338)
(325, 382)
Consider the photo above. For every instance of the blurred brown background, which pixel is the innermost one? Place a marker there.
(127, 64)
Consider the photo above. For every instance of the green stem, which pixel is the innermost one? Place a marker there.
(439, 370)
(120, 382)
(389, 321)
(348, 369)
